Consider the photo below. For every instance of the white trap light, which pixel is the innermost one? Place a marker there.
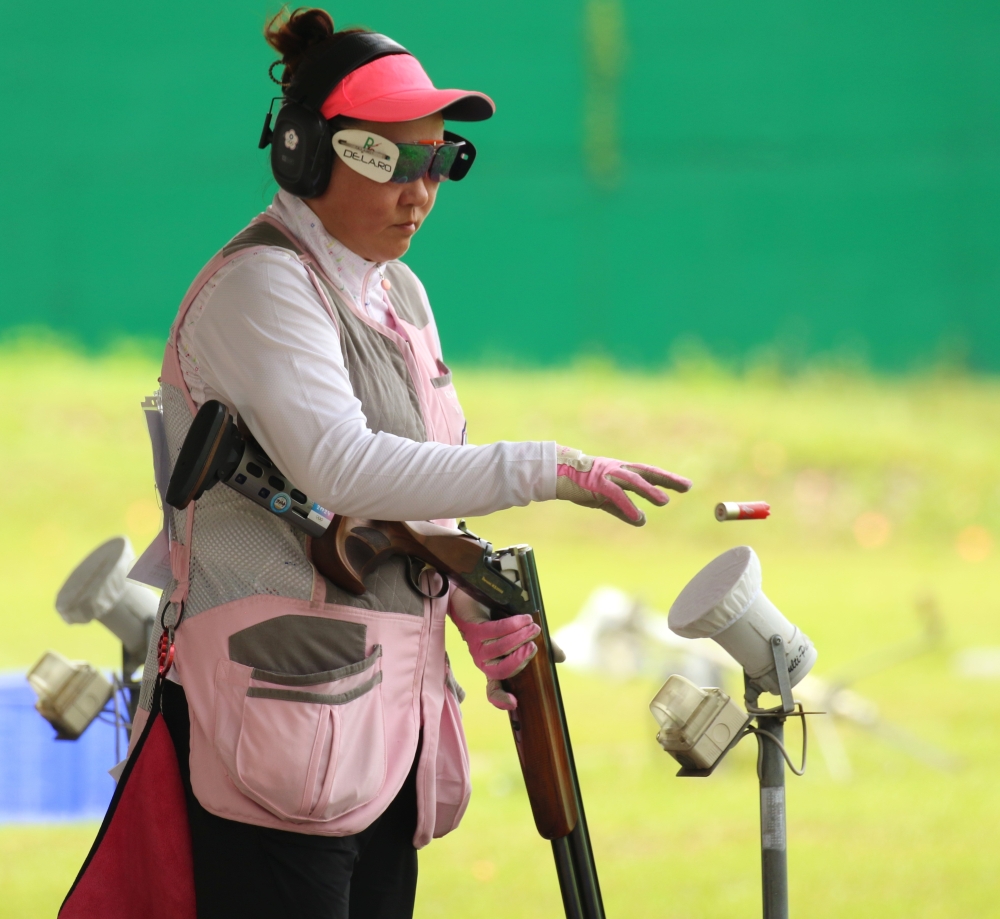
(70, 694)
(98, 588)
(697, 726)
(724, 601)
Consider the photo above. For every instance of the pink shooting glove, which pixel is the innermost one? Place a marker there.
(500, 648)
(597, 481)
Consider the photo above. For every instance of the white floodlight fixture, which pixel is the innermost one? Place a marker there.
(98, 588)
(697, 726)
(724, 601)
(71, 694)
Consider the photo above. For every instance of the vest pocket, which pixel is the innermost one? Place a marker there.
(308, 747)
(439, 382)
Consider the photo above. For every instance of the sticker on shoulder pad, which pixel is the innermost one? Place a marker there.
(370, 154)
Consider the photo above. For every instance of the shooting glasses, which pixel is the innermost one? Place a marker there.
(380, 160)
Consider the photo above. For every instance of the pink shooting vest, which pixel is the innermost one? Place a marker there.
(307, 703)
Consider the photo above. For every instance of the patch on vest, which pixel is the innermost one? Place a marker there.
(299, 644)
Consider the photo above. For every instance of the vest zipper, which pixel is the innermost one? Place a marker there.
(379, 267)
(364, 285)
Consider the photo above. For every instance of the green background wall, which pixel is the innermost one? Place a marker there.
(785, 175)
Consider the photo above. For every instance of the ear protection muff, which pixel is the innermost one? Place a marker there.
(301, 148)
(301, 152)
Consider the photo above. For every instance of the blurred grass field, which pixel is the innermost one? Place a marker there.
(884, 493)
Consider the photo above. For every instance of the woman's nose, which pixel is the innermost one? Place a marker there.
(416, 194)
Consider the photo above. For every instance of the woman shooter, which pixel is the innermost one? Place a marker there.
(318, 732)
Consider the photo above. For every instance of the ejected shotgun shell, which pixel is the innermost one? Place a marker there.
(742, 510)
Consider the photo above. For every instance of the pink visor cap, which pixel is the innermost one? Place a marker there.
(396, 88)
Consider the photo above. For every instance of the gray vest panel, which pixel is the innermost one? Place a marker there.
(376, 369)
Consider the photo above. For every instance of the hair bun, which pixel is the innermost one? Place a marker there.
(293, 34)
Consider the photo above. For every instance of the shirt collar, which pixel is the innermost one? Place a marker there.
(345, 268)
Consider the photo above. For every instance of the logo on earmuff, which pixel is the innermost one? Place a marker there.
(291, 139)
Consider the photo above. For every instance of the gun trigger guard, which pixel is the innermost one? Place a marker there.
(415, 567)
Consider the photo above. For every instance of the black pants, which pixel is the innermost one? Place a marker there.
(250, 872)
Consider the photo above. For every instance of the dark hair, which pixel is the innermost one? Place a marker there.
(293, 34)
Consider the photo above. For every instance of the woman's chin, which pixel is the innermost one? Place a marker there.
(396, 243)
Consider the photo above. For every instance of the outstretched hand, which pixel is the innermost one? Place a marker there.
(601, 482)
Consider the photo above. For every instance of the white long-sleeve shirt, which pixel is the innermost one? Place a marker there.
(258, 339)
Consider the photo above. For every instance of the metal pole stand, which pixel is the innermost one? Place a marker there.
(773, 849)
(771, 772)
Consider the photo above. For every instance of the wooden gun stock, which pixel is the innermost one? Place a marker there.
(541, 745)
(352, 548)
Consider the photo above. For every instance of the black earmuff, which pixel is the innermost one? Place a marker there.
(301, 141)
(301, 151)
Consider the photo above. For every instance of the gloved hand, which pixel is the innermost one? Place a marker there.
(500, 698)
(597, 481)
(500, 648)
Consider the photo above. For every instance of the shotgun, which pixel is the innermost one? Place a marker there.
(506, 581)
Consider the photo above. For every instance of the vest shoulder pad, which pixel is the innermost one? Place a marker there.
(259, 234)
